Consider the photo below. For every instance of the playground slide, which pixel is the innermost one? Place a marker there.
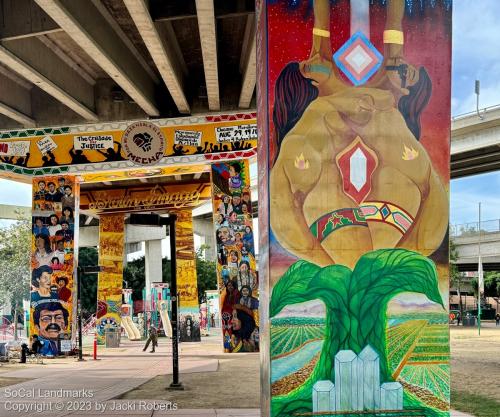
(167, 327)
(130, 329)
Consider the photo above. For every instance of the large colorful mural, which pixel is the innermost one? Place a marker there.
(238, 280)
(108, 146)
(52, 263)
(110, 281)
(187, 283)
(354, 153)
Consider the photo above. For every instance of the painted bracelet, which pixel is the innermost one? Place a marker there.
(394, 36)
(321, 32)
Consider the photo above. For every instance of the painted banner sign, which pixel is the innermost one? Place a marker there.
(354, 127)
(236, 133)
(17, 148)
(52, 263)
(187, 137)
(93, 142)
(46, 145)
(237, 277)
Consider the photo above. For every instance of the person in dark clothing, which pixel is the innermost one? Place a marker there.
(153, 338)
(36, 346)
(497, 319)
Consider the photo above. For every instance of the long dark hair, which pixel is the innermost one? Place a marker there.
(412, 105)
(292, 94)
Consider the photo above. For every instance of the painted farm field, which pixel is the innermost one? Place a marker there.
(418, 354)
(290, 334)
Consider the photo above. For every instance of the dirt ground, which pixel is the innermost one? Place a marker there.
(475, 360)
(234, 385)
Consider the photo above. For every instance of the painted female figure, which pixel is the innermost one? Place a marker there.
(343, 184)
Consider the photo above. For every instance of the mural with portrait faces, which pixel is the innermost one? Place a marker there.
(52, 261)
(236, 267)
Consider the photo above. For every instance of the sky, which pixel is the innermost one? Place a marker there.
(476, 55)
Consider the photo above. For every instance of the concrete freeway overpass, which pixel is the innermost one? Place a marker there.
(467, 237)
(475, 143)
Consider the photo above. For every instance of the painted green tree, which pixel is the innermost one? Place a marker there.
(356, 309)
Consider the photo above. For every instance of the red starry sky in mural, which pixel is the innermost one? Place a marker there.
(291, 37)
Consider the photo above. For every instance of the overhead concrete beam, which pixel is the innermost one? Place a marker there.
(163, 56)
(208, 40)
(83, 22)
(31, 59)
(249, 65)
(16, 115)
(89, 235)
(66, 58)
(15, 102)
(126, 40)
(24, 19)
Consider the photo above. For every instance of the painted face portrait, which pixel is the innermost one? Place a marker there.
(45, 280)
(224, 234)
(50, 320)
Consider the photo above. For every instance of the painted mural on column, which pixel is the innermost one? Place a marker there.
(236, 268)
(110, 281)
(187, 284)
(354, 153)
(52, 263)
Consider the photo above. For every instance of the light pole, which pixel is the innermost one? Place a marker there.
(480, 276)
(157, 220)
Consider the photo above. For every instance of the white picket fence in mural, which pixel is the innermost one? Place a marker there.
(357, 385)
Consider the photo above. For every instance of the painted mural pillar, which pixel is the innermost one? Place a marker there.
(354, 125)
(237, 277)
(54, 260)
(187, 283)
(110, 281)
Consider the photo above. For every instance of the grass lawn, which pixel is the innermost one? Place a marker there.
(474, 404)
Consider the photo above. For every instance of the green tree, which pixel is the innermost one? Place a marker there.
(206, 274)
(88, 257)
(15, 274)
(456, 277)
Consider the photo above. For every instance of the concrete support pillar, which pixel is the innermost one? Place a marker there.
(110, 283)
(153, 264)
(54, 253)
(187, 283)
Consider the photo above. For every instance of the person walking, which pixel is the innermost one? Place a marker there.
(459, 317)
(497, 319)
(153, 339)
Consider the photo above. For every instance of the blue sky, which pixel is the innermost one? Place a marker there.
(476, 55)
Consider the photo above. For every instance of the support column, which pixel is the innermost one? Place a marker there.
(54, 259)
(110, 282)
(153, 261)
(187, 283)
(236, 267)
